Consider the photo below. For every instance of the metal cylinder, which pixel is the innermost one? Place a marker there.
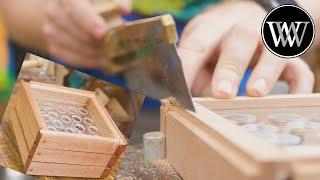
(154, 146)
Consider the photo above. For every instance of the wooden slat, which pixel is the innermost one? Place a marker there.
(297, 100)
(105, 130)
(51, 169)
(78, 142)
(20, 139)
(196, 155)
(305, 170)
(53, 91)
(233, 134)
(104, 120)
(71, 157)
(30, 120)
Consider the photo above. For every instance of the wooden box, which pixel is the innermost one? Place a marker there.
(51, 149)
(35, 68)
(205, 145)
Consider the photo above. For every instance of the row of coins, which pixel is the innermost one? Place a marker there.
(281, 128)
(70, 119)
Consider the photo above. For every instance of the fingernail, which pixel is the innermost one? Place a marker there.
(225, 86)
(260, 86)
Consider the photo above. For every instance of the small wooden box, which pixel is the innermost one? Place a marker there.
(35, 68)
(204, 145)
(52, 152)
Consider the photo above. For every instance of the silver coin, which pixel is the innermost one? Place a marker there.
(66, 119)
(302, 125)
(87, 121)
(261, 128)
(76, 119)
(241, 118)
(93, 130)
(79, 128)
(284, 139)
(83, 111)
(57, 124)
(70, 130)
(285, 118)
(51, 128)
(53, 114)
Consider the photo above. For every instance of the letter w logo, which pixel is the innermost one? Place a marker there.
(284, 33)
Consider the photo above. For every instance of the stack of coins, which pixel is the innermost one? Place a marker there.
(283, 129)
(241, 119)
(281, 119)
(68, 118)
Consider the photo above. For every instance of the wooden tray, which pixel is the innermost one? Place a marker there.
(204, 145)
(57, 153)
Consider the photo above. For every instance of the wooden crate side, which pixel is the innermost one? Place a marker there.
(296, 100)
(19, 136)
(65, 170)
(27, 115)
(60, 92)
(77, 142)
(106, 172)
(305, 170)
(71, 157)
(196, 155)
(105, 130)
(39, 121)
(105, 121)
(232, 134)
(113, 161)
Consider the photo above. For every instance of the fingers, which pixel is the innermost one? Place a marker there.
(270, 68)
(56, 16)
(265, 74)
(237, 50)
(198, 43)
(56, 37)
(299, 77)
(73, 58)
(83, 13)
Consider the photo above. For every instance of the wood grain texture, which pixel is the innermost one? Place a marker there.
(10, 157)
(49, 169)
(296, 100)
(204, 145)
(70, 142)
(19, 136)
(39, 146)
(71, 157)
(27, 114)
(107, 121)
(59, 92)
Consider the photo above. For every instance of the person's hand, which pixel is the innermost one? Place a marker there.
(218, 46)
(75, 31)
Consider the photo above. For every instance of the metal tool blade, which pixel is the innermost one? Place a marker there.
(6, 173)
(160, 76)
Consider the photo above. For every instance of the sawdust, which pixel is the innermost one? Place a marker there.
(133, 167)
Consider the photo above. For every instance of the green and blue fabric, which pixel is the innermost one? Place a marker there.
(181, 9)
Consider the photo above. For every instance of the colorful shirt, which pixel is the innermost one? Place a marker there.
(180, 9)
(6, 76)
